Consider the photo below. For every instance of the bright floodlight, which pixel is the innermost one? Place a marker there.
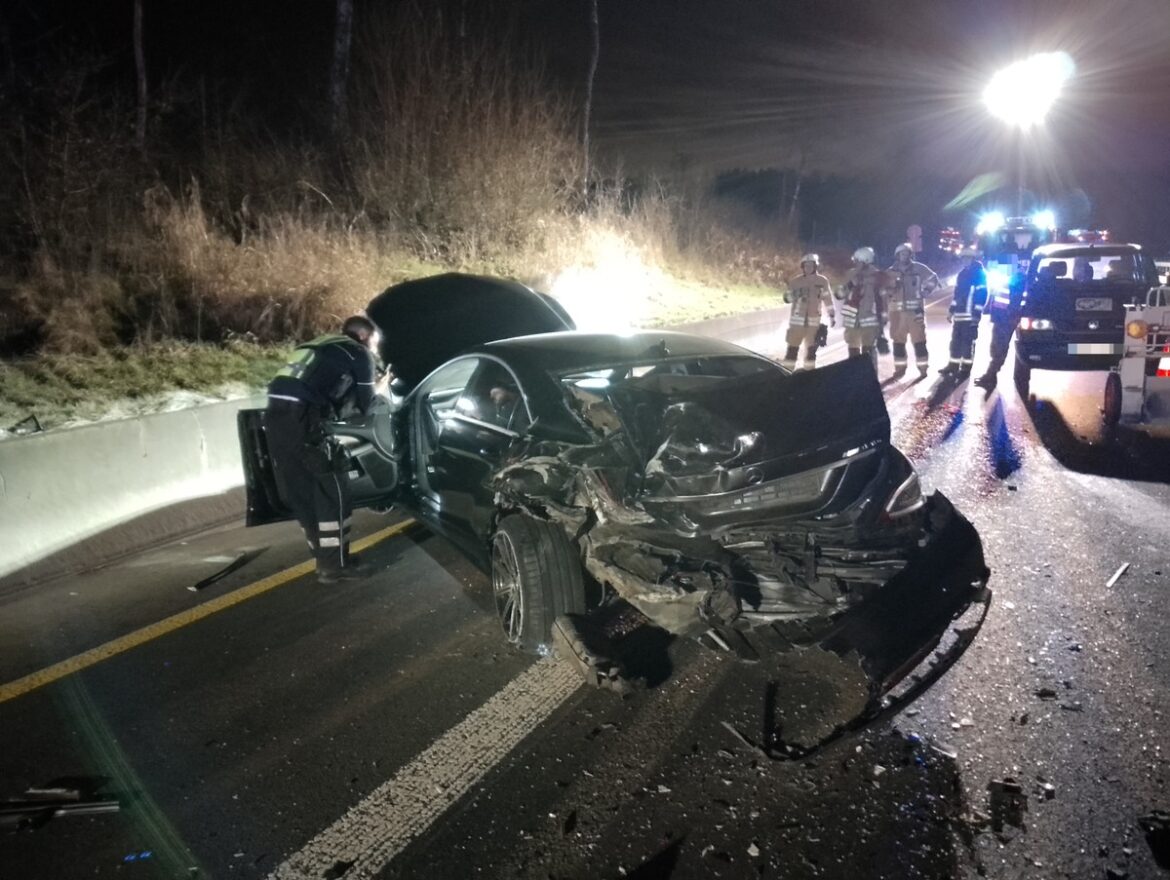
(1044, 219)
(1022, 93)
(989, 222)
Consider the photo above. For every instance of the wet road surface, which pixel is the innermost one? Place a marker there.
(382, 729)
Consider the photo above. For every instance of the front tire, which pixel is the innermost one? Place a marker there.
(1023, 376)
(536, 576)
(1112, 409)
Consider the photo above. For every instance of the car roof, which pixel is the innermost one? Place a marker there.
(1084, 249)
(570, 350)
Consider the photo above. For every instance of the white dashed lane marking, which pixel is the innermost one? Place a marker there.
(374, 831)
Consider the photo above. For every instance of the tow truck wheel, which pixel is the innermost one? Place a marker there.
(1112, 408)
(536, 576)
(1023, 376)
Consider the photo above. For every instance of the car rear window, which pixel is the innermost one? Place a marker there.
(700, 371)
(1089, 267)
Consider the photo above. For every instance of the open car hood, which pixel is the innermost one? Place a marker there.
(426, 322)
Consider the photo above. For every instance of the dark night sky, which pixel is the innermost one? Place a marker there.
(849, 87)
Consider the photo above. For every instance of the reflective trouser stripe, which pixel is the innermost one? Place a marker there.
(331, 542)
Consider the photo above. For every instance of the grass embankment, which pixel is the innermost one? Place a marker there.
(61, 389)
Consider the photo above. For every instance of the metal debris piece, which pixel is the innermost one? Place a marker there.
(1008, 803)
(596, 669)
(1046, 693)
(1121, 569)
(39, 805)
(235, 565)
(1156, 825)
(30, 424)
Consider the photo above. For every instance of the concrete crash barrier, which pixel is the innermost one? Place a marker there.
(63, 489)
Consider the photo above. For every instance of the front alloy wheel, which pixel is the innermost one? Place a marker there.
(536, 576)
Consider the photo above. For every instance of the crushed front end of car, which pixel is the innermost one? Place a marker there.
(764, 513)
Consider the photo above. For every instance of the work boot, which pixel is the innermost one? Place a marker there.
(354, 571)
(949, 370)
(987, 380)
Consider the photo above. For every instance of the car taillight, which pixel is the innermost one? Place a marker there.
(906, 499)
(1035, 324)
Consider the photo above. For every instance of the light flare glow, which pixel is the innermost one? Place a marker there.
(1022, 93)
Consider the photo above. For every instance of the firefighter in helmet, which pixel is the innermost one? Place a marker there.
(324, 376)
(912, 282)
(966, 309)
(807, 292)
(862, 298)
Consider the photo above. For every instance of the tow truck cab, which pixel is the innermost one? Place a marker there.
(1137, 390)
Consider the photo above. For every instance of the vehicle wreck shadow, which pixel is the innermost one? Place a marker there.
(1124, 453)
(886, 803)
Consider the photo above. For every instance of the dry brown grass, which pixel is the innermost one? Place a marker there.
(455, 160)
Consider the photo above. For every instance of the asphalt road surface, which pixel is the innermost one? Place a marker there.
(266, 726)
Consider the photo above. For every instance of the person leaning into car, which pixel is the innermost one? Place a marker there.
(324, 374)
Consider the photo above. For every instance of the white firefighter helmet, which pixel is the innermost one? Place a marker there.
(904, 248)
(815, 259)
(968, 251)
(863, 255)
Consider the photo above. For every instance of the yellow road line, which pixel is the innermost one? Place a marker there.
(84, 660)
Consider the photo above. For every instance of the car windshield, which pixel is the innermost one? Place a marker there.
(1092, 266)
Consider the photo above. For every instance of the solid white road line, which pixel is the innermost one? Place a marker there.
(374, 831)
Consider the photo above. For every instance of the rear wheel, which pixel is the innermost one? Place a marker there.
(1112, 408)
(1023, 376)
(536, 576)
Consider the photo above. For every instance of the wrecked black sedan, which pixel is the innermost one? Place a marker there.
(715, 492)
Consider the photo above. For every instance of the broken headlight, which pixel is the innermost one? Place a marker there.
(906, 499)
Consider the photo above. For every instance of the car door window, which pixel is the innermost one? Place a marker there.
(441, 391)
(494, 397)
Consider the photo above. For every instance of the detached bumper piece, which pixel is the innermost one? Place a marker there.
(826, 677)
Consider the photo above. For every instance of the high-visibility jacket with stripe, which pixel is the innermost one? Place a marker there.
(970, 293)
(327, 371)
(861, 296)
(808, 293)
(910, 285)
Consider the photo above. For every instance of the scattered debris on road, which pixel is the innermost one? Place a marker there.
(233, 566)
(1121, 569)
(39, 805)
(1008, 803)
(1156, 826)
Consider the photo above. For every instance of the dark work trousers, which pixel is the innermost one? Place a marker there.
(963, 336)
(317, 492)
(1001, 336)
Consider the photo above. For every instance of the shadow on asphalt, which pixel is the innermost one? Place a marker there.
(1124, 453)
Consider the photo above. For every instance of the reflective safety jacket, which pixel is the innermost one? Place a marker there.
(910, 286)
(327, 371)
(807, 293)
(970, 293)
(861, 296)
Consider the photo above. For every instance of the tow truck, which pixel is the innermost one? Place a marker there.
(1137, 390)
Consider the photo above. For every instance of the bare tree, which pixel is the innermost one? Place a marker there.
(339, 74)
(140, 68)
(595, 32)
